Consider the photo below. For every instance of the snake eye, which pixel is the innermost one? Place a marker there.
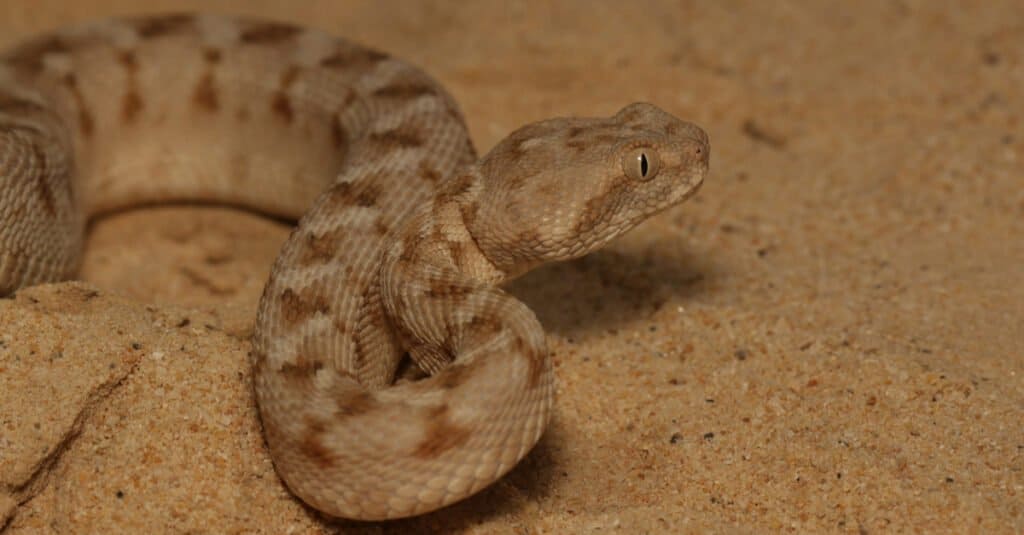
(641, 163)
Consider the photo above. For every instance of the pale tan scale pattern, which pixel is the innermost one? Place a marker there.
(403, 238)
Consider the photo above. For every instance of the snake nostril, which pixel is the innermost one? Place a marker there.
(698, 150)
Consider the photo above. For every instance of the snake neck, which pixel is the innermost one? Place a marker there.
(437, 239)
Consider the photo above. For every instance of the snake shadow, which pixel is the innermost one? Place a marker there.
(529, 481)
(604, 290)
(610, 290)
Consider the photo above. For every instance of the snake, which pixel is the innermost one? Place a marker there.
(392, 373)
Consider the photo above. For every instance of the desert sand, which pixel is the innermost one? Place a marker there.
(828, 338)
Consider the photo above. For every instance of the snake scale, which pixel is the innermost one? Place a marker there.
(392, 374)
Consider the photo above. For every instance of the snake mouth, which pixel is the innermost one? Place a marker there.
(693, 189)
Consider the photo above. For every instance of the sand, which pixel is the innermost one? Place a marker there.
(826, 339)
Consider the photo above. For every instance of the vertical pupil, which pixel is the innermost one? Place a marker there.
(643, 164)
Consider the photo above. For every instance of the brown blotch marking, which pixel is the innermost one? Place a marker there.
(163, 25)
(358, 350)
(131, 103)
(296, 308)
(354, 403)
(381, 227)
(302, 368)
(371, 313)
(269, 33)
(455, 188)
(592, 213)
(441, 435)
(205, 94)
(517, 152)
(289, 76)
(85, 120)
(463, 256)
(398, 138)
(406, 90)
(514, 157)
(127, 60)
(534, 359)
(462, 184)
(428, 173)
(212, 55)
(579, 146)
(319, 249)
(344, 194)
(576, 131)
(281, 104)
(528, 238)
(456, 250)
(340, 193)
(31, 55)
(469, 213)
(443, 289)
(517, 181)
(42, 188)
(312, 444)
(282, 107)
(353, 58)
(485, 324)
(596, 209)
(630, 116)
(367, 196)
(480, 329)
(338, 135)
(410, 252)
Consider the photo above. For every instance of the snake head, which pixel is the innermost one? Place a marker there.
(560, 188)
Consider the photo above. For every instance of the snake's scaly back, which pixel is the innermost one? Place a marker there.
(404, 234)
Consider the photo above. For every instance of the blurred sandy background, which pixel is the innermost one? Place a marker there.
(828, 338)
